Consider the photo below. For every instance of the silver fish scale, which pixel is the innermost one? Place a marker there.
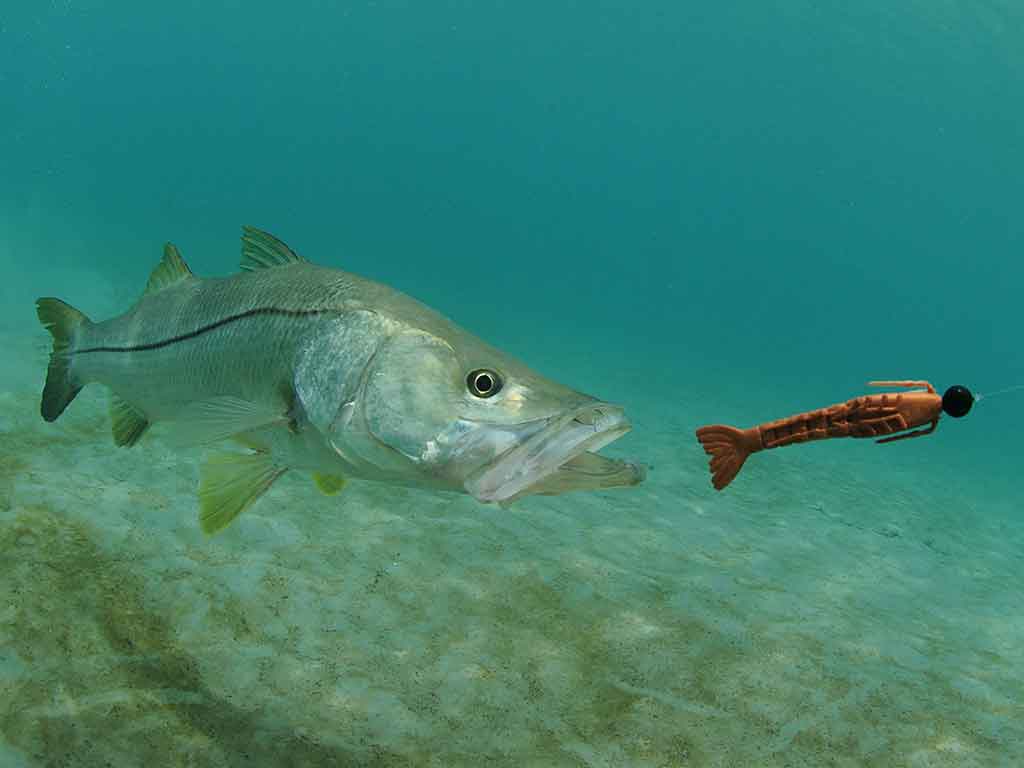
(205, 338)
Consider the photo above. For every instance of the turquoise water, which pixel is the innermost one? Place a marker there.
(706, 213)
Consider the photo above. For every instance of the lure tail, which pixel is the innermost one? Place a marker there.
(728, 447)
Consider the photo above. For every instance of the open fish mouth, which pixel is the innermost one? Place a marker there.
(559, 457)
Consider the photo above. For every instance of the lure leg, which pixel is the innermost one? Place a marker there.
(924, 384)
(916, 433)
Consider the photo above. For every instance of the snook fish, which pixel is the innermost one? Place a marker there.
(317, 369)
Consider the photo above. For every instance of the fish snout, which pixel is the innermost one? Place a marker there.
(600, 417)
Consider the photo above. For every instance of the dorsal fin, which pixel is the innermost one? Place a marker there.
(261, 250)
(171, 270)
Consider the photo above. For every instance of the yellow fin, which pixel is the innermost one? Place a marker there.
(229, 483)
(171, 270)
(261, 250)
(328, 484)
(127, 424)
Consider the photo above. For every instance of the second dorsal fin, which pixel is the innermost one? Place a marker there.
(171, 270)
(261, 250)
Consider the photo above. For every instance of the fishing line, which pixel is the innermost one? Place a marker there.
(1014, 388)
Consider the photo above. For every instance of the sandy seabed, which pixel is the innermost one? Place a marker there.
(798, 620)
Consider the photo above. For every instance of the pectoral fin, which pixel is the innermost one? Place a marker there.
(230, 483)
(220, 418)
(328, 484)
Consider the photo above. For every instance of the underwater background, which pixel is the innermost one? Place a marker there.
(724, 212)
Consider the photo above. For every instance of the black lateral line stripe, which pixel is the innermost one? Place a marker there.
(208, 328)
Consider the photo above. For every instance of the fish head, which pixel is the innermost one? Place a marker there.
(462, 415)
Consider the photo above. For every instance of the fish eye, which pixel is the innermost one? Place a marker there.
(483, 382)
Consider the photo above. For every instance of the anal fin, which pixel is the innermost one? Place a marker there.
(230, 483)
(127, 424)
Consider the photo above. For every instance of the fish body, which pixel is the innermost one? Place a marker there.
(320, 370)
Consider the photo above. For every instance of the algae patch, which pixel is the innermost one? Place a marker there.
(103, 679)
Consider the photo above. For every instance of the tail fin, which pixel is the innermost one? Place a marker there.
(728, 448)
(62, 321)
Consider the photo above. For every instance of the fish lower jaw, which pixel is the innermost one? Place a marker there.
(551, 451)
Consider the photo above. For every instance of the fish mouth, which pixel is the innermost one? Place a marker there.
(559, 457)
